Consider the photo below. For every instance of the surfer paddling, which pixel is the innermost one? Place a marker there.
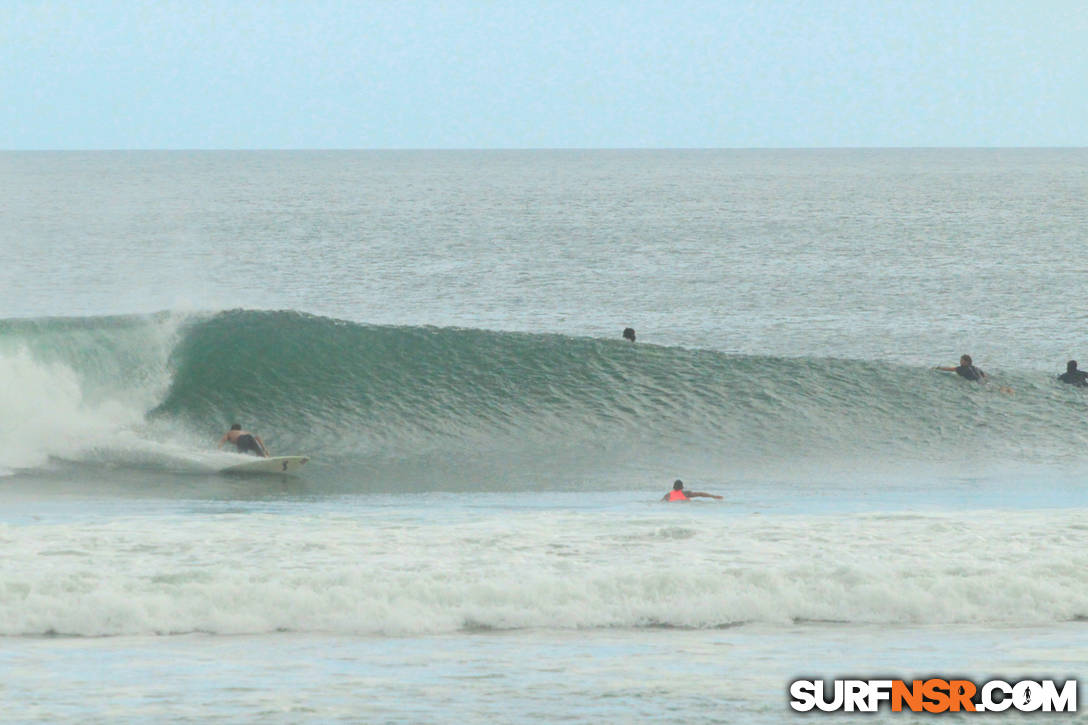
(679, 494)
(244, 440)
(968, 371)
(1072, 376)
(965, 370)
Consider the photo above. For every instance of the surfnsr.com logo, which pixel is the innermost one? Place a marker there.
(934, 695)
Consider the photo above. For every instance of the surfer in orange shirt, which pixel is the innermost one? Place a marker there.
(679, 494)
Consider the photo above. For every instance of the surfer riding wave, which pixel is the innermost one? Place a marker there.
(245, 441)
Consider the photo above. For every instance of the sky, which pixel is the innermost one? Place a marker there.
(421, 74)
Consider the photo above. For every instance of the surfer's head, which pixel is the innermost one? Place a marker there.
(677, 485)
(965, 360)
(1071, 366)
(629, 333)
(236, 426)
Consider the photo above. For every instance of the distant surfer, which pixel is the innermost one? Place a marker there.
(679, 494)
(965, 370)
(246, 441)
(1073, 376)
(629, 333)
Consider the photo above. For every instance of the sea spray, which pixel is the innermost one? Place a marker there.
(69, 386)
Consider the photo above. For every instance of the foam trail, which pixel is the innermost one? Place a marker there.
(382, 573)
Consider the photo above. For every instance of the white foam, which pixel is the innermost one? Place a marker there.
(369, 573)
(50, 408)
(43, 412)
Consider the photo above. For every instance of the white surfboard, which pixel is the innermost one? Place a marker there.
(275, 464)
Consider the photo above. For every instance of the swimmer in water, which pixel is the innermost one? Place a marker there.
(679, 494)
(1072, 376)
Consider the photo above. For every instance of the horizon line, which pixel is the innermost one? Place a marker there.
(528, 148)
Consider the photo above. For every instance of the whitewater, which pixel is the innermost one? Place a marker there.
(479, 534)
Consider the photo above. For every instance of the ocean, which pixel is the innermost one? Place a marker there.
(479, 535)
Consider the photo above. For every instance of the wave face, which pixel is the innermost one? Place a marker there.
(443, 399)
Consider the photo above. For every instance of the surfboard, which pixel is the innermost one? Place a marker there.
(275, 464)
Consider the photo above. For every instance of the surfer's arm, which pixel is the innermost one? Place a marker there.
(223, 440)
(944, 369)
(697, 494)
